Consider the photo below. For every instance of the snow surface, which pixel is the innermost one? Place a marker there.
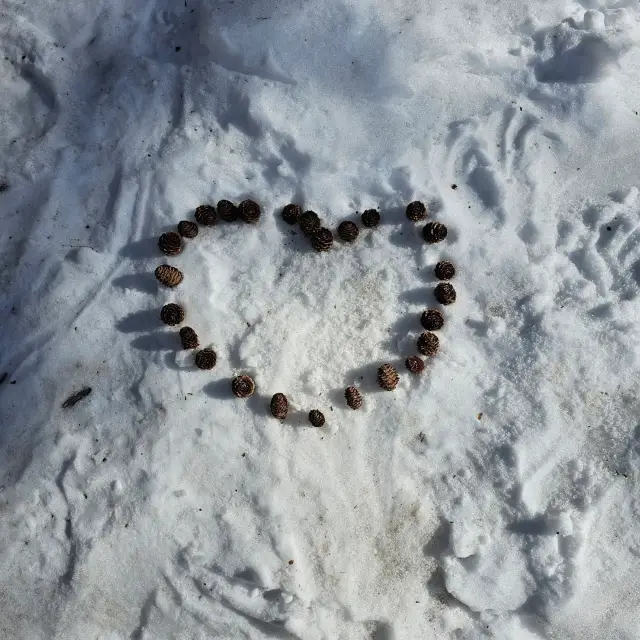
(495, 497)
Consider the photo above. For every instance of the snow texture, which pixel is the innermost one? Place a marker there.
(496, 496)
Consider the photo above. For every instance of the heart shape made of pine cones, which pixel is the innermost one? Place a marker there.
(327, 325)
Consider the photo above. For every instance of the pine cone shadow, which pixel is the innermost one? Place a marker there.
(140, 321)
(146, 248)
(419, 295)
(219, 389)
(157, 341)
(404, 330)
(143, 282)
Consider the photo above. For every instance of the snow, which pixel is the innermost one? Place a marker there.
(495, 495)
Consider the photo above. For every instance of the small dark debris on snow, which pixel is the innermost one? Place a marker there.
(3, 377)
(178, 49)
(4, 186)
(76, 397)
(454, 186)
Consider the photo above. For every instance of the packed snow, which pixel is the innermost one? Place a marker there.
(494, 496)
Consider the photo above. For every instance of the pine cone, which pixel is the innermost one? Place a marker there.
(189, 338)
(444, 270)
(445, 293)
(309, 223)
(434, 232)
(428, 343)
(249, 211)
(416, 211)
(243, 386)
(316, 418)
(348, 231)
(291, 214)
(370, 218)
(206, 359)
(414, 364)
(432, 320)
(354, 398)
(279, 406)
(172, 314)
(169, 276)
(388, 377)
(322, 239)
(227, 211)
(187, 229)
(170, 243)
(206, 215)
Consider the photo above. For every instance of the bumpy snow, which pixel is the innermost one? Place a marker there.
(495, 496)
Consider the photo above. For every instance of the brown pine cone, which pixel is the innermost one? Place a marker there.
(279, 406)
(206, 215)
(316, 418)
(370, 218)
(434, 232)
(249, 211)
(243, 386)
(428, 343)
(354, 398)
(189, 338)
(445, 293)
(414, 364)
(388, 377)
(348, 231)
(432, 320)
(172, 314)
(444, 270)
(322, 239)
(206, 359)
(416, 211)
(227, 211)
(170, 243)
(187, 229)
(309, 223)
(291, 214)
(168, 276)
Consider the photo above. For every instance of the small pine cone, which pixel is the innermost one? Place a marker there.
(348, 231)
(432, 320)
(249, 211)
(291, 214)
(354, 398)
(316, 418)
(434, 232)
(206, 215)
(169, 276)
(370, 218)
(279, 406)
(414, 364)
(170, 243)
(388, 377)
(187, 229)
(227, 211)
(243, 386)
(172, 314)
(445, 293)
(189, 338)
(206, 359)
(322, 239)
(444, 270)
(428, 343)
(309, 223)
(416, 211)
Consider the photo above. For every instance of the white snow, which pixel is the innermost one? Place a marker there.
(493, 497)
